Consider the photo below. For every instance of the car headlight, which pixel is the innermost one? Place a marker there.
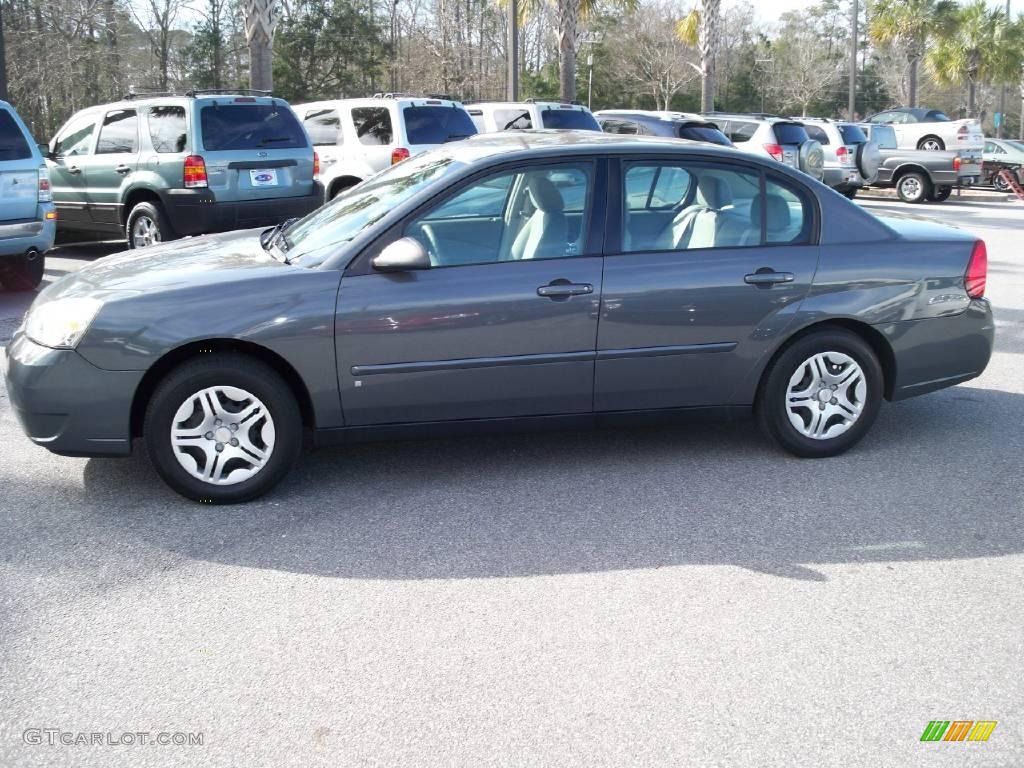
(61, 323)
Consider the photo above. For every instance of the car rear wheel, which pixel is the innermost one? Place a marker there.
(1000, 183)
(940, 194)
(23, 273)
(148, 225)
(913, 187)
(933, 143)
(223, 429)
(822, 394)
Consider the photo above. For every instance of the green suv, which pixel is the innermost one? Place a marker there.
(157, 167)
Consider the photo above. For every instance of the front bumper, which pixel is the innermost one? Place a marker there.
(18, 237)
(66, 404)
(940, 352)
(198, 212)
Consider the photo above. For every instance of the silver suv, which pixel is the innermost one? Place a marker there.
(851, 159)
(492, 116)
(780, 138)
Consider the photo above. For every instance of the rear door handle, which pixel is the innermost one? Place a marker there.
(123, 169)
(765, 276)
(558, 289)
(74, 170)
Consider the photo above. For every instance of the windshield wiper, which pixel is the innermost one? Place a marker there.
(272, 139)
(457, 137)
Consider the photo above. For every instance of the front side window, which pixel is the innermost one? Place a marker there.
(323, 127)
(120, 133)
(534, 213)
(373, 125)
(76, 139)
(167, 129)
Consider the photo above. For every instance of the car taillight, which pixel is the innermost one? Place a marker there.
(316, 166)
(977, 271)
(45, 193)
(956, 163)
(844, 156)
(961, 132)
(775, 150)
(195, 172)
(398, 154)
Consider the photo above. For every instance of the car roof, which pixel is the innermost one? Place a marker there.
(527, 104)
(382, 101)
(145, 100)
(674, 117)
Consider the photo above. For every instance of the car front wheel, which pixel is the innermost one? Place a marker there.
(822, 394)
(913, 187)
(223, 429)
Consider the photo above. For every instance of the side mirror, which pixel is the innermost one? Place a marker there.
(403, 255)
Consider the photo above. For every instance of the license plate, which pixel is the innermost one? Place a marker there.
(265, 177)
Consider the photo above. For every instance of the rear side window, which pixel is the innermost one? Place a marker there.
(852, 134)
(120, 133)
(789, 133)
(76, 139)
(739, 131)
(656, 186)
(13, 145)
(622, 127)
(574, 119)
(936, 116)
(787, 215)
(250, 126)
(816, 133)
(167, 129)
(703, 133)
(512, 120)
(323, 127)
(436, 124)
(373, 125)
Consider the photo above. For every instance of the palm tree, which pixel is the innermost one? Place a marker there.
(971, 50)
(260, 23)
(910, 24)
(700, 28)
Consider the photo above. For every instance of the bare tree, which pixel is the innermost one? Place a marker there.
(654, 56)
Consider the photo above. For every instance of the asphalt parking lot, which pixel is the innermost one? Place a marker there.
(673, 596)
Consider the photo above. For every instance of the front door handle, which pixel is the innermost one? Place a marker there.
(74, 170)
(563, 289)
(123, 169)
(768, 277)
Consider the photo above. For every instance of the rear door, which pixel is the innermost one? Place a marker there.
(72, 148)
(111, 166)
(255, 149)
(688, 311)
(19, 171)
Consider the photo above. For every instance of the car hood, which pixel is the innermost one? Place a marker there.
(206, 260)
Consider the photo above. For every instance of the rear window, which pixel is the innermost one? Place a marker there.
(703, 133)
(437, 124)
(13, 145)
(250, 126)
(575, 119)
(789, 133)
(852, 134)
(373, 125)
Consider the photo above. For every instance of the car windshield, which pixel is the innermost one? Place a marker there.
(250, 126)
(852, 134)
(576, 119)
(351, 212)
(437, 124)
(703, 133)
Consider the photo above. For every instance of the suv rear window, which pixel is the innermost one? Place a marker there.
(13, 145)
(852, 134)
(250, 126)
(703, 133)
(789, 133)
(575, 119)
(437, 124)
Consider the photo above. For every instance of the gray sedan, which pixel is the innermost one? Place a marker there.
(507, 281)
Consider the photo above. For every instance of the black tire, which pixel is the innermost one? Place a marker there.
(337, 189)
(1001, 184)
(773, 412)
(23, 273)
(933, 143)
(913, 187)
(939, 194)
(154, 213)
(223, 370)
(850, 194)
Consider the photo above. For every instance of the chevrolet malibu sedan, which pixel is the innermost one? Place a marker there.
(507, 281)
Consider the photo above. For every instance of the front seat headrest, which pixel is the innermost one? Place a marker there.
(715, 192)
(778, 212)
(545, 194)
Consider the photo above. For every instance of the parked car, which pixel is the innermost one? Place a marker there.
(27, 216)
(1000, 154)
(677, 125)
(491, 116)
(851, 160)
(683, 275)
(356, 138)
(779, 138)
(920, 174)
(919, 128)
(155, 167)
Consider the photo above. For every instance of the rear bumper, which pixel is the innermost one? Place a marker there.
(843, 179)
(17, 237)
(940, 352)
(66, 404)
(198, 212)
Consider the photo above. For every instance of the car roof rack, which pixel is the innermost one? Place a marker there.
(194, 92)
(133, 94)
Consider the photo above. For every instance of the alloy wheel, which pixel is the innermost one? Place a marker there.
(826, 395)
(911, 187)
(145, 232)
(931, 145)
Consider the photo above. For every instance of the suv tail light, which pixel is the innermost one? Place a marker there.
(775, 150)
(398, 154)
(316, 166)
(195, 172)
(956, 163)
(977, 271)
(45, 193)
(844, 156)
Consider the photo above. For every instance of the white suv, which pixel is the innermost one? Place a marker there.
(776, 137)
(356, 138)
(851, 160)
(492, 116)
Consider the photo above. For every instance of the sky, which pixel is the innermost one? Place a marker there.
(769, 10)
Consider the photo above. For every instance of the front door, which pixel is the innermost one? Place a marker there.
(713, 260)
(71, 149)
(503, 324)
